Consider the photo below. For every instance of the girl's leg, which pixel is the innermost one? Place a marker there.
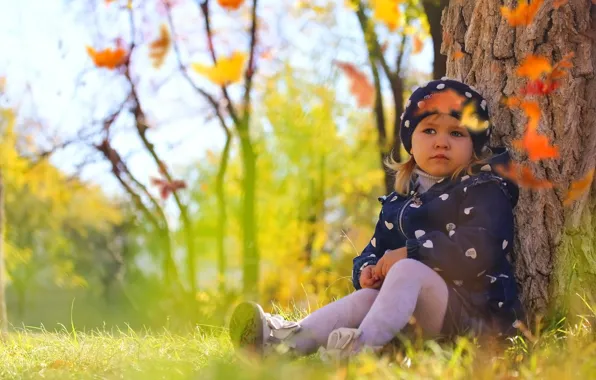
(348, 311)
(410, 288)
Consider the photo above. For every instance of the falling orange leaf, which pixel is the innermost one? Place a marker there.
(230, 4)
(578, 188)
(166, 187)
(418, 44)
(534, 66)
(360, 86)
(565, 63)
(559, 3)
(441, 102)
(522, 175)
(532, 110)
(523, 14)
(159, 48)
(108, 58)
(537, 146)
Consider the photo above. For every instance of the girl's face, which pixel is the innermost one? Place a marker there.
(440, 145)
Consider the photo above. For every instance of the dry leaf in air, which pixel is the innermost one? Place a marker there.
(230, 4)
(108, 58)
(522, 175)
(578, 188)
(360, 86)
(387, 12)
(166, 188)
(227, 70)
(158, 49)
(523, 14)
(470, 120)
(442, 102)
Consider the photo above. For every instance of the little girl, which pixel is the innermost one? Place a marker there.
(438, 252)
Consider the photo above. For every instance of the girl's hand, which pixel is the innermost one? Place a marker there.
(368, 279)
(386, 262)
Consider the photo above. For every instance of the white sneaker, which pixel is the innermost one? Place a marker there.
(342, 344)
(254, 330)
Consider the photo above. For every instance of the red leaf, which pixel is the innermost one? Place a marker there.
(166, 188)
(360, 87)
(539, 87)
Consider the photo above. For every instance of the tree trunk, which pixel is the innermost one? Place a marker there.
(549, 236)
(250, 254)
(433, 10)
(3, 314)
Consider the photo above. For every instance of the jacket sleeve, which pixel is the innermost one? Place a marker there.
(470, 246)
(372, 252)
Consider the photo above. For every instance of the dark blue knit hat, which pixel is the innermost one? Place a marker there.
(411, 116)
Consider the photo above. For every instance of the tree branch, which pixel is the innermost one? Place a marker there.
(250, 71)
(205, 11)
(206, 95)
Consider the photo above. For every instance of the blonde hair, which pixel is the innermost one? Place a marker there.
(405, 171)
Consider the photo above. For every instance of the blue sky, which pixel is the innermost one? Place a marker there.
(44, 61)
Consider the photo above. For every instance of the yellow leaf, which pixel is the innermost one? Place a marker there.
(387, 12)
(470, 120)
(227, 70)
(352, 5)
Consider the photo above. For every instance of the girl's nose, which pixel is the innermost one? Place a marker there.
(441, 142)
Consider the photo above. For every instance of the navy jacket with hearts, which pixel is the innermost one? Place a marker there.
(463, 229)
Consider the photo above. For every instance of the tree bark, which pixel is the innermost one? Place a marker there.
(555, 246)
(3, 314)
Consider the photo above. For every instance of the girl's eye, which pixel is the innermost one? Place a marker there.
(457, 134)
(429, 131)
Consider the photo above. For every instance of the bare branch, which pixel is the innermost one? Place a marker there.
(205, 10)
(250, 71)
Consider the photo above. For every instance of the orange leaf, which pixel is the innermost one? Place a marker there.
(108, 58)
(522, 175)
(441, 102)
(360, 86)
(559, 3)
(523, 14)
(230, 4)
(578, 188)
(418, 44)
(158, 49)
(458, 55)
(533, 67)
(564, 63)
(532, 110)
(537, 146)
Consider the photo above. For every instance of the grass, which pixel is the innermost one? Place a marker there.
(556, 353)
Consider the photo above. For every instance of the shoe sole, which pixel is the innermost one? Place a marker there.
(246, 327)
